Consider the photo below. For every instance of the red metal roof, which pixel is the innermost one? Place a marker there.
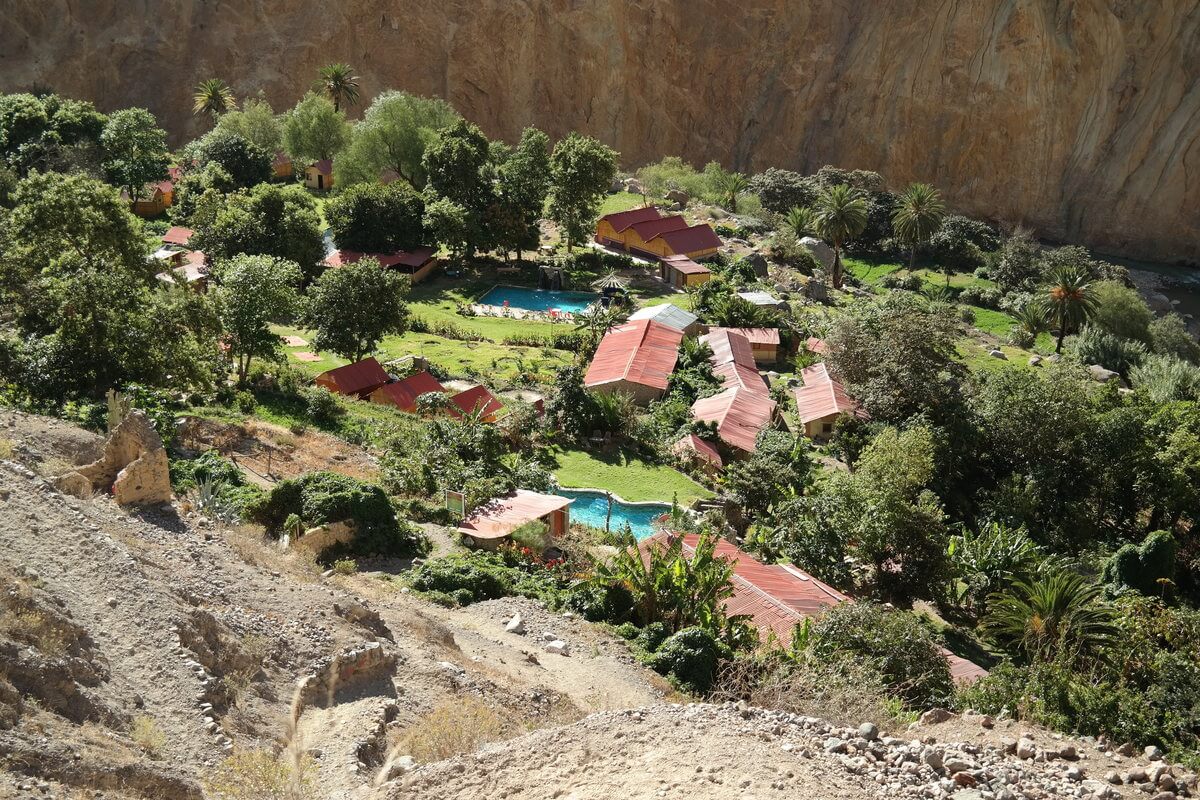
(404, 393)
(324, 166)
(740, 414)
(653, 227)
(815, 345)
(767, 336)
(685, 265)
(359, 378)
(177, 235)
(499, 517)
(476, 399)
(691, 240)
(729, 347)
(415, 258)
(821, 396)
(624, 219)
(694, 444)
(641, 352)
(777, 597)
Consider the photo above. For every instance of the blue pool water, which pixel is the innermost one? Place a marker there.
(591, 508)
(538, 299)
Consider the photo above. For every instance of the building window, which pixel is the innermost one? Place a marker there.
(827, 427)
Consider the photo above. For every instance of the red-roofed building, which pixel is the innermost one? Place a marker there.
(610, 229)
(698, 241)
(494, 521)
(403, 394)
(701, 453)
(764, 343)
(417, 263)
(478, 400)
(817, 346)
(319, 175)
(155, 198)
(821, 400)
(745, 407)
(281, 165)
(358, 379)
(177, 236)
(778, 597)
(647, 232)
(636, 358)
(681, 272)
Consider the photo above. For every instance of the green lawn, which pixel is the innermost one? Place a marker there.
(438, 299)
(625, 475)
(624, 201)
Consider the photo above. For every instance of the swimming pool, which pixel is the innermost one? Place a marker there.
(591, 508)
(537, 299)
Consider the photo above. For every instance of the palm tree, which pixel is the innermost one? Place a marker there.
(730, 185)
(595, 321)
(213, 96)
(841, 214)
(800, 220)
(1069, 299)
(1060, 614)
(918, 217)
(340, 83)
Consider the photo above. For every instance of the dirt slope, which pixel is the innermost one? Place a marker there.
(1078, 117)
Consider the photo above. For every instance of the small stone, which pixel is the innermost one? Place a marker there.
(400, 766)
(1125, 749)
(935, 715)
(558, 646)
(515, 625)
(1153, 753)
(1026, 748)
(868, 731)
(112, 602)
(835, 745)
(998, 354)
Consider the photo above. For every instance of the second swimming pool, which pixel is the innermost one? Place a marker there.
(537, 299)
(591, 508)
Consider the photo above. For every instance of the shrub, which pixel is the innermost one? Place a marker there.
(1095, 345)
(146, 734)
(967, 315)
(651, 637)
(212, 477)
(263, 775)
(597, 603)
(1143, 568)
(1019, 337)
(456, 726)
(627, 630)
(895, 642)
(690, 659)
(345, 566)
(245, 402)
(320, 405)
(961, 242)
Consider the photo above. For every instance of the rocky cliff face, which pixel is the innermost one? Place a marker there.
(1080, 118)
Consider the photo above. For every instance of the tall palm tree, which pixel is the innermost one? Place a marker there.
(918, 217)
(1059, 615)
(1069, 299)
(841, 214)
(340, 83)
(730, 185)
(213, 96)
(800, 220)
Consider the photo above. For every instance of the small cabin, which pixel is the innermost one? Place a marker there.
(764, 343)
(476, 400)
(418, 263)
(281, 166)
(354, 380)
(493, 522)
(680, 272)
(821, 400)
(403, 393)
(319, 175)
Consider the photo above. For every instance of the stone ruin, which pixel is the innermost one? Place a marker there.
(133, 468)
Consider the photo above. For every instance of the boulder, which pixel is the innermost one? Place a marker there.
(558, 646)
(515, 625)
(634, 186)
(1035, 360)
(998, 354)
(935, 715)
(74, 484)
(1026, 749)
(133, 467)
(678, 196)
(758, 262)
(1101, 374)
(324, 536)
(821, 251)
(617, 185)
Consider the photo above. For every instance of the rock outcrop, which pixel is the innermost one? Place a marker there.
(134, 466)
(1079, 118)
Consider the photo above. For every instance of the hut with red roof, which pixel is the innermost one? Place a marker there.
(476, 400)
(493, 522)
(821, 400)
(355, 380)
(319, 174)
(636, 358)
(744, 407)
(403, 393)
(417, 263)
(764, 343)
(646, 232)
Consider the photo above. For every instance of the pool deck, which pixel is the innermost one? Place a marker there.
(512, 312)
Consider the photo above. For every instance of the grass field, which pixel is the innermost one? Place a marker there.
(626, 475)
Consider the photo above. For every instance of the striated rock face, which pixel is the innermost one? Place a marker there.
(1080, 118)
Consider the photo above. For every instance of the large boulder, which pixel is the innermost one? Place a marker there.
(679, 196)
(758, 262)
(821, 251)
(634, 186)
(1101, 374)
(134, 466)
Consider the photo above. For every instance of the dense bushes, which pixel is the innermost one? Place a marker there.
(690, 658)
(320, 498)
(220, 487)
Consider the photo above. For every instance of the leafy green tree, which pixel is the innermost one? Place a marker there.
(1059, 616)
(267, 220)
(918, 217)
(314, 130)
(841, 214)
(374, 218)
(255, 291)
(213, 96)
(256, 122)
(23, 119)
(339, 83)
(1148, 568)
(778, 469)
(581, 170)
(1069, 298)
(524, 181)
(392, 136)
(49, 133)
(1169, 335)
(135, 150)
(961, 242)
(353, 307)
(1121, 311)
(200, 195)
(781, 190)
(1016, 263)
(246, 163)
(448, 224)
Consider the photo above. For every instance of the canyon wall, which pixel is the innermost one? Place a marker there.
(1079, 118)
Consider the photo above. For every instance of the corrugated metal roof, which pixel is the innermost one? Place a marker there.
(729, 347)
(760, 298)
(361, 377)
(650, 228)
(642, 352)
(777, 597)
(822, 396)
(476, 399)
(403, 393)
(501, 516)
(667, 314)
(815, 345)
(694, 444)
(740, 414)
(324, 166)
(767, 336)
(408, 258)
(691, 240)
(177, 235)
(624, 219)
(685, 265)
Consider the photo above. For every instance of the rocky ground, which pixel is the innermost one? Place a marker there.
(138, 651)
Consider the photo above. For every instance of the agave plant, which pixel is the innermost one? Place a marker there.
(209, 501)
